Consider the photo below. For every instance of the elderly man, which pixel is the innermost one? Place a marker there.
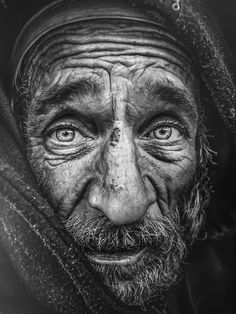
(105, 159)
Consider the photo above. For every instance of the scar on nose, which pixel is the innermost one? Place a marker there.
(115, 136)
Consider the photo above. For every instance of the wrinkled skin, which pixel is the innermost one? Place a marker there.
(112, 133)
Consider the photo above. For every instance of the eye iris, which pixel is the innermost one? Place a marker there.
(162, 132)
(65, 135)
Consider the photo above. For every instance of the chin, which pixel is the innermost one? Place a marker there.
(146, 280)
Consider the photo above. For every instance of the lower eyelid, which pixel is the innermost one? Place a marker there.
(69, 152)
(55, 144)
(163, 144)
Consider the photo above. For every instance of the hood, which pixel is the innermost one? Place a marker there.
(44, 256)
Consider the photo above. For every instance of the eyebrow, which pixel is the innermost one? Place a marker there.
(60, 94)
(173, 95)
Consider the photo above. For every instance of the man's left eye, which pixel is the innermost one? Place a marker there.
(65, 135)
(164, 133)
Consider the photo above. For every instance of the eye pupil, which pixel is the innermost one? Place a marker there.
(65, 135)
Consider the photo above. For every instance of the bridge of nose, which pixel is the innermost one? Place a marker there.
(124, 197)
(121, 159)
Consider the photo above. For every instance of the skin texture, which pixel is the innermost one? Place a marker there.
(111, 130)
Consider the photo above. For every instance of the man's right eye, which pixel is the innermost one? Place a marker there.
(66, 138)
(67, 134)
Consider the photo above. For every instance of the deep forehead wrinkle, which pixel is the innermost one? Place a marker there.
(112, 41)
(114, 31)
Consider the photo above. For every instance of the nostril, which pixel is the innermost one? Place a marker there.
(96, 198)
(154, 210)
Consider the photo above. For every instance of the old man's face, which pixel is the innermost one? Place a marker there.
(111, 131)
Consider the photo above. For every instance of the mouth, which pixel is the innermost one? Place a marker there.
(116, 258)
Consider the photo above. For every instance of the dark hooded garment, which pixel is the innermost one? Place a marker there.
(41, 269)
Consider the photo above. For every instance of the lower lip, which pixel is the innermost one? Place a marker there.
(127, 258)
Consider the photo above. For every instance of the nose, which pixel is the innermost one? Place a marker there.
(123, 196)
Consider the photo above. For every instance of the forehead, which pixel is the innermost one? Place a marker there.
(121, 63)
(105, 45)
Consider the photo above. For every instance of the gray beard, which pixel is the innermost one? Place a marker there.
(168, 240)
(155, 272)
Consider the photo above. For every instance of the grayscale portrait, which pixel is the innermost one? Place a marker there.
(117, 157)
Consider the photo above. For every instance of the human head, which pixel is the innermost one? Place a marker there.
(114, 136)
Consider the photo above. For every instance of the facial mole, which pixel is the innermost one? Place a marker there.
(115, 136)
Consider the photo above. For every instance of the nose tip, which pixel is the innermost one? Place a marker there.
(121, 204)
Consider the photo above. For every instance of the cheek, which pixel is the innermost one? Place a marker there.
(170, 179)
(66, 185)
(63, 181)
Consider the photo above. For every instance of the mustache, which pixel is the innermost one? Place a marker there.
(99, 234)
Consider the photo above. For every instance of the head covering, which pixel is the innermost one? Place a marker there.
(44, 256)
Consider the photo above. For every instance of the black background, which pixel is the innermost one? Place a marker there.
(225, 12)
